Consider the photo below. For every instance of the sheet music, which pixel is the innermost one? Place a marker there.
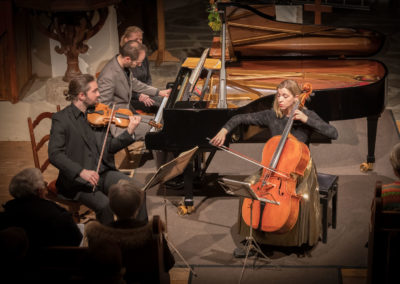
(241, 188)
(171, 169)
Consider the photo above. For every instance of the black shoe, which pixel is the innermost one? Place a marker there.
(241, 252)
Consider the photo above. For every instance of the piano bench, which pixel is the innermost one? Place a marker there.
(328, 190)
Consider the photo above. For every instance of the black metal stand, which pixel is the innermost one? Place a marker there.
(251, 244)
(164, 173)
(170, 244)
(243, 189)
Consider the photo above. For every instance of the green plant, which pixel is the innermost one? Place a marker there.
(214, 21)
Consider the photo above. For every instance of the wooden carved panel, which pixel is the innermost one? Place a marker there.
(15, 51)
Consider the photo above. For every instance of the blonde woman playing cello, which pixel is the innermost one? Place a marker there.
(308, 226)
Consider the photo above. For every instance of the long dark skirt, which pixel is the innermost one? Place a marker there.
(308, 227)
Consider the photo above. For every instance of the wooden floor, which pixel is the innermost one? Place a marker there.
(16, 156)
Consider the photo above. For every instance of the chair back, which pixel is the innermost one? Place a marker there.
(36, 146)
(383, 241)
(52, 194)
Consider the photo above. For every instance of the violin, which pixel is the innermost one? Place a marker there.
(285, 158)
(100, 116)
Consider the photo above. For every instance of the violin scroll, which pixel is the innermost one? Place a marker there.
(155, 124)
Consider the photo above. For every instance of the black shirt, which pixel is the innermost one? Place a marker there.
(268, 118)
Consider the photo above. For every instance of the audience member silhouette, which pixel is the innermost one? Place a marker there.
(133, 236)
(103, 264)
(45, 223)
(14, 246)
(391, 191)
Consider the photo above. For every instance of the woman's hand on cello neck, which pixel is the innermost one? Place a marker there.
(133, 123)
(219, 139)
(299, 115)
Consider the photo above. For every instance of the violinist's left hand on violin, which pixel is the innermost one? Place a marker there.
(165, 93)
(299, 115)
(133, 123)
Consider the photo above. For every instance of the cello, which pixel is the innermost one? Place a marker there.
(284, 159)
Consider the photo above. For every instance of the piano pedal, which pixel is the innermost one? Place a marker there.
(365, 167)
(184, 209)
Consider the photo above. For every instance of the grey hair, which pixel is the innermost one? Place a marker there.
(26, 183)
(395, 159)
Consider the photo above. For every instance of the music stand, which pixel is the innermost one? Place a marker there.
(164, 173)
(243, 189)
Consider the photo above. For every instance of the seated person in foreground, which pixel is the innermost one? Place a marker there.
(14, 246)
(45, 223)
(134, 236)
(103, 264)
(391, 191)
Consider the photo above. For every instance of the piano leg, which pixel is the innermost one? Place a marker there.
(187, 206)
(372, 125)
(194, 172)
(188, 187)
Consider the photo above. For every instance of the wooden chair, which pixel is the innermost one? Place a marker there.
(52, 194)
(383, 242)
(145, 254)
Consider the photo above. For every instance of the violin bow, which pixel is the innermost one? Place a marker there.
(104, 143)
(230, 151)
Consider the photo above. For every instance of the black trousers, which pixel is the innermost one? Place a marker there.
(98, 200)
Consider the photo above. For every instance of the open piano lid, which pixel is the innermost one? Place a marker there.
(259, 35)
(343, 89)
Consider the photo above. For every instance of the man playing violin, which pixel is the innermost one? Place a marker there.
(75, 147)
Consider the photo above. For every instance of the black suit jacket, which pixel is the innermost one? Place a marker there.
(74, 146)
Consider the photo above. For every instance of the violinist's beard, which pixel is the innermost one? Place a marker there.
(90, 103)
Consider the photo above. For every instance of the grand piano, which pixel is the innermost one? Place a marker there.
(343, 88)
